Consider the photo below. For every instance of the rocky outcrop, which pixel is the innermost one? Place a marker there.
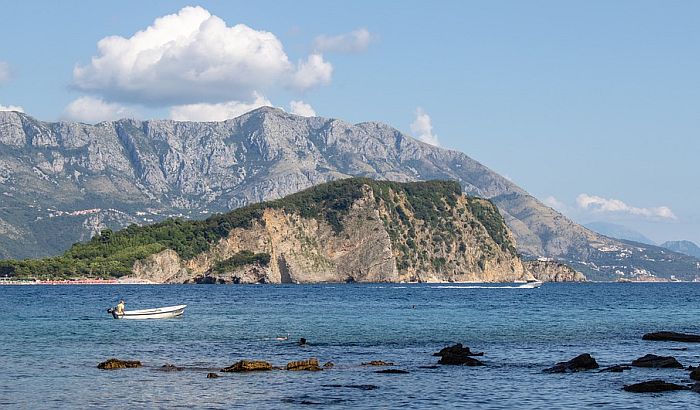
(387, 234)
(248, 366)
(458, 355)
(151, 170)
(654, 386)
(304, 365)
(657, 362)
(113, 364)
(579, 363)
(552, 271)
(672, 337)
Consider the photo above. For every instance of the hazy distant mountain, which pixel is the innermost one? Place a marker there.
(619, 232)
(62, 182)
(684, 247)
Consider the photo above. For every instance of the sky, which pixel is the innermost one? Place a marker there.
(591, 106)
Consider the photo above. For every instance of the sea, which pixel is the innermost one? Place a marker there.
(53, 337)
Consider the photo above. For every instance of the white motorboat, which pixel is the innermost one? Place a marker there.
(531, 284)
(168, 312)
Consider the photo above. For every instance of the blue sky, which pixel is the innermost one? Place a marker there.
(592, 106)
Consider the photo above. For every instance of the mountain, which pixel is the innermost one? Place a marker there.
(617, 231)
(62, 182)
(685, 247)
(355, 229)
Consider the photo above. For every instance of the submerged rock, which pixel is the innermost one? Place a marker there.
(695, 374)
(392, 371)
(248, 366)
(113, 364)
(212, 376)
(672, 337)
(352, 386)
(304, 365)
(168, 367)
(616, 369)
(328, 365)
(378, 363)
(654, 386)
(577, 364)
(657, 362)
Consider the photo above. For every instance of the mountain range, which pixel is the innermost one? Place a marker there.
(64, 182)
(684, 247)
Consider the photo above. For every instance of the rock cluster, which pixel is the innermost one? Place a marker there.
(248, 366)
(113, 364)
(577, 364)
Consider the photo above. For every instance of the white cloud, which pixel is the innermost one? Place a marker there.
(553, 202)
(312, 72)
(302, 108)
(422, 128)
(93, 110)
(353, 42)
(11, 108)
(194, 57)
(4, 72)
(599, 204)
(218, 111)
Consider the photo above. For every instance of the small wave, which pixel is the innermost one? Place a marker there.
(476, 287)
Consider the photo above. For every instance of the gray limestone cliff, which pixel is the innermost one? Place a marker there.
(551, 271)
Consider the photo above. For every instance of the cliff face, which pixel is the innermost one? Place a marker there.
(550, 271)
(387, 235)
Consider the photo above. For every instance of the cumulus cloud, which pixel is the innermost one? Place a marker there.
(312, 72)
(217, 111)
(599, 204)
(93, 110)
(553, 202)
(353, 42)
(11, 108)
(194, 57)
(301, 108)
(422, 128)
(4, 72)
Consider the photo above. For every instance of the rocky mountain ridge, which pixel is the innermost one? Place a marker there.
(151, 170)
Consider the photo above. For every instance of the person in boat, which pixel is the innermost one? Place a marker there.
(120, 308)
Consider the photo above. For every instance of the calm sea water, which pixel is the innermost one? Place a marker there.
(52, 338)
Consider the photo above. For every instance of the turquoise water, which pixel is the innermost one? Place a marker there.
(52, 338)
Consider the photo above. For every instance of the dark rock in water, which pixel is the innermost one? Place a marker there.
(169, 368)
(672, 337)
(113, 364)
(352, 386)
(615, 369)
(577, 364)
(657, 362)
(695, 374)
(457, 350)
(328, 365)
(378, 363)
(432, 366)
(302, 342)
(458, 355)
(248, 366)
(392, 371)
(212, 375)
(695, 387)
(654, 386)
(680, 349)
(305, 365)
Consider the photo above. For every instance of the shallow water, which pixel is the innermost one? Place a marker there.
(52, 338)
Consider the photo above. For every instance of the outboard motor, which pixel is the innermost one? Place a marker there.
(113, 311)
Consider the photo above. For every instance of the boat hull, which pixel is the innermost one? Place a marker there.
(168, 312)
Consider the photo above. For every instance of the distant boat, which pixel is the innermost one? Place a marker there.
(168, 312)
(531, 284)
